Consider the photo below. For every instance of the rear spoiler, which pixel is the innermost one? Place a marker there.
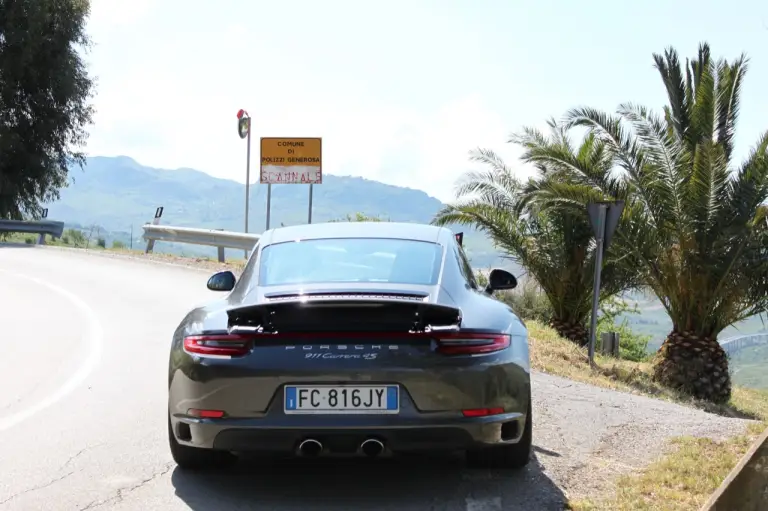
(339, 311)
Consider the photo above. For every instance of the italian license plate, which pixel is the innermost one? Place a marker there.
(380, 399)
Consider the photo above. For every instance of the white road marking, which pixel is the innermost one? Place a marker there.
(94, 337)
(491, 504)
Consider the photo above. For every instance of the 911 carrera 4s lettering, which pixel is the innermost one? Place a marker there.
(342, 356)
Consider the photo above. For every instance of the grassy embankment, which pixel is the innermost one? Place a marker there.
(693, 468)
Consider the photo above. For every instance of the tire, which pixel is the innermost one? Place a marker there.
(195, 458)
(512, 456)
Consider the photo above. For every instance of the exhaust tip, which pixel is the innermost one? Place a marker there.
(372, 447)
(310, 447)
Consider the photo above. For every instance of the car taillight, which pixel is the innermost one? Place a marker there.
(471, 344)
(218, 345)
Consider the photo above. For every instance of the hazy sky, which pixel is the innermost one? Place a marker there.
(400, 91)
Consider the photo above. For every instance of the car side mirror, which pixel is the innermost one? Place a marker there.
(222, 281)
(499, 280)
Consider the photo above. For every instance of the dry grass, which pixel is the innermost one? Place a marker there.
(682, 480)
(693, 468)
(552, 354)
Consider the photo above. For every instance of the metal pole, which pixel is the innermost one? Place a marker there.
(269, 202)
(309, 215)
(247, 179)
(596, 287)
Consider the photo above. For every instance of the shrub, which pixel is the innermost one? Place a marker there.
(76, 236)
(118, 244)
(101, 242)
(528, 301)
(531, 304)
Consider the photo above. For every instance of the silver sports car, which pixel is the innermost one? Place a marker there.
(352, 338)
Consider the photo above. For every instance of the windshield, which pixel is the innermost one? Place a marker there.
(394, 261)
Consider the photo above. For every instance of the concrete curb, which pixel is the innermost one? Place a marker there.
(746, 487)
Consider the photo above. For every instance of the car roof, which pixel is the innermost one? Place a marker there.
(397, 230)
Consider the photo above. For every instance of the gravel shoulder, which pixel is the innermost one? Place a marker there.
(587, 436)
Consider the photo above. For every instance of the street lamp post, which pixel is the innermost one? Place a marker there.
(244, 130)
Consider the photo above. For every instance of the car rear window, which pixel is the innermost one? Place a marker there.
(394, 261)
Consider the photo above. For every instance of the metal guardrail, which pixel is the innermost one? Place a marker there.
(733, 344)
(746, 487)
(39, 227)
(210, 237)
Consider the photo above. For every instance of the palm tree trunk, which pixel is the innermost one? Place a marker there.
(573, 331)
(695, 365)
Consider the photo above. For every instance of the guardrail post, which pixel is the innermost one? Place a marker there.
(221, 251)
(150, 246)
(41, 236)
(609, 344)
(155, 221)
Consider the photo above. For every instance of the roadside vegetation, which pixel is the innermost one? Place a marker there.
(693, 232)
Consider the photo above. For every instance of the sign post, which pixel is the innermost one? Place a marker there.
(291, 161)
(604, 217)
(244, 131)
(155, 221)
(41, 237)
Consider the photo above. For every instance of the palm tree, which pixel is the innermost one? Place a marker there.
(553, 245)
(696, 226)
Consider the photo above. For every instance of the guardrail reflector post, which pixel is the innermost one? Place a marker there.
(609, 344)
(155, 221)
(221, 251)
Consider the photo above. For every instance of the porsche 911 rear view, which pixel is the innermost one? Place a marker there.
(366, 339)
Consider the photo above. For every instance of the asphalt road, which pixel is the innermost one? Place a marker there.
(83, 403)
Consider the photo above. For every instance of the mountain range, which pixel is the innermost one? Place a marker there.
(119, 195)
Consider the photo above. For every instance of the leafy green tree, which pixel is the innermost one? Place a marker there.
(696, 224)
(554, 245)
(44, 93)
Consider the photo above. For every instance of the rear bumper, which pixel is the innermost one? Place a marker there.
(345, 437)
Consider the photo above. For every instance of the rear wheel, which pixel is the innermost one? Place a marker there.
(512, 456)
(194, 458)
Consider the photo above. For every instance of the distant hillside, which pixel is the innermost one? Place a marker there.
(118, 194)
